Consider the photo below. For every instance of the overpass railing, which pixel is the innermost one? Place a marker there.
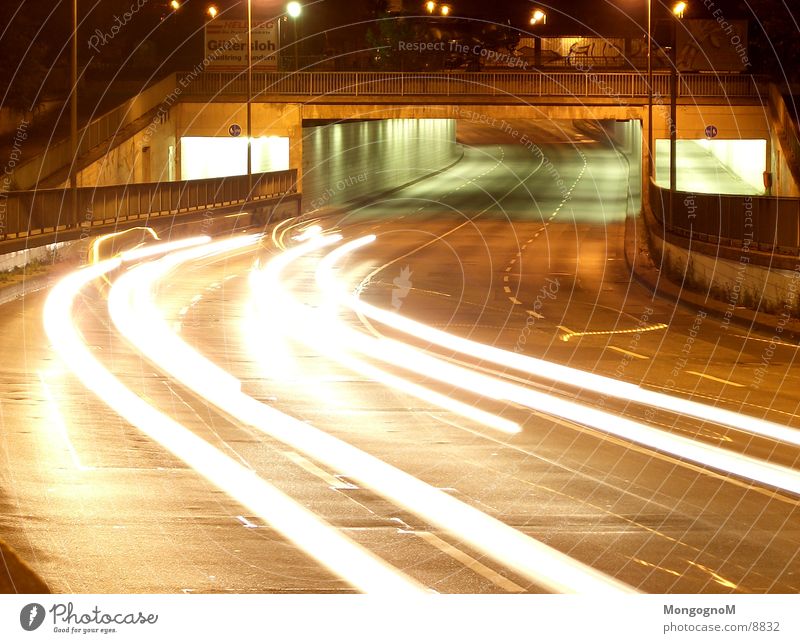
(35, 212)
(571, 84)
(763, 223)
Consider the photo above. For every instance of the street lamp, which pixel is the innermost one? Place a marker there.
(445, 10)
(430, 6)
(175, 4)
(538, 17)
(73, 125)
(677, 10)
(212, 11)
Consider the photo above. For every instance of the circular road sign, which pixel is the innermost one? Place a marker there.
(236, 130)
(711, 131)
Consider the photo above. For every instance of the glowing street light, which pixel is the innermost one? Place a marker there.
(445, 10)
(539, 17)
(175, 5)
(679, 9)
(294, 9)
(430, 6)
(212, 11)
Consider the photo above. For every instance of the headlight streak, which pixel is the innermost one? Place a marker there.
(337, 341)
(319, 540)
(548, 370)
(533, 560)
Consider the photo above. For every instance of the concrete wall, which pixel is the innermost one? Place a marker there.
(737, 283)
(627, 138)
(268, 119)
(126, 163)
(347, 161)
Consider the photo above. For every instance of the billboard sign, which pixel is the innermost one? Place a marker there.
(226, 44)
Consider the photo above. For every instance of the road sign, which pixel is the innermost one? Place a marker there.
(236, 130)
(711, 131)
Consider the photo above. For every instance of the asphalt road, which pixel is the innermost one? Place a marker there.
(97, 506)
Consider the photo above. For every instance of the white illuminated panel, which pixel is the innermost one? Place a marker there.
(206, 157)
(714, 166)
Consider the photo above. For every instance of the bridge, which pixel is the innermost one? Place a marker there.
(140, 144)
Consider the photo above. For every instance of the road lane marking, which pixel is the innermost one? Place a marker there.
(469, 562)
(515, 301)
(568, 334)
(506, 289)
(625, 352)
(716, 379)
(58, 421)
(767, 341)
(533, 313)
(246, 522)
(332, 481)
(717, 578)
(327, 545)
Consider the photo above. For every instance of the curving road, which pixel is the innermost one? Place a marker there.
(464, 473)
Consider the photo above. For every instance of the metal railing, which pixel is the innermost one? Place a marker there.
(768, 224)
(102, 129)
(35, 212)
(571, 84)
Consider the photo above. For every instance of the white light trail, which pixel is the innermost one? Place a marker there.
(319, 540)
(543, 369)
(328, 335)
(137, 317)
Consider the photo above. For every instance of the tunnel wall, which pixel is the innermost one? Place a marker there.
(343, 162)
(626, 137)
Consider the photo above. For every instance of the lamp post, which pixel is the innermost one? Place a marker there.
(650, 152)
(678, 11)
(294, 9)
(73, 120)
(249, 97)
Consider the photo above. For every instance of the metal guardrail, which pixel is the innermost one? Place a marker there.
(592, 84)
(34, 212)
(763, 223)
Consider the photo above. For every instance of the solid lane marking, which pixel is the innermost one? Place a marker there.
(469, 562)
(767, 341)
(329, 479)
(61, 426)
(625, 352)
(716, 379)
(246, 522)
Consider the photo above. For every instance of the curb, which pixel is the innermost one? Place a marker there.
(16, 576)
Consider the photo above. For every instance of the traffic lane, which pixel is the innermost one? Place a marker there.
(444, 302)
(404, 542)
(98, 508)
(583, 292)
(362, 424)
